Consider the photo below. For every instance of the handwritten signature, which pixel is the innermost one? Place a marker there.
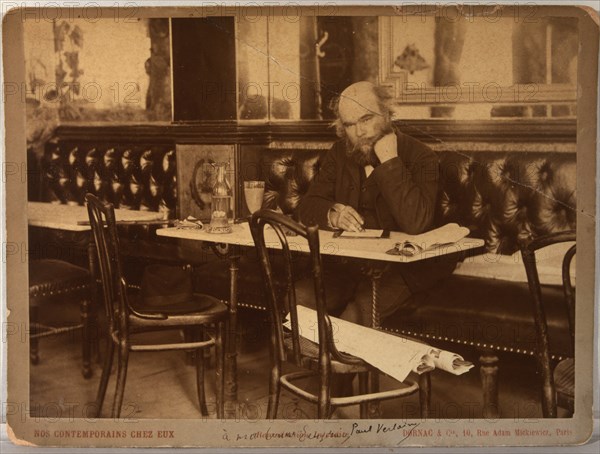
(405, 428)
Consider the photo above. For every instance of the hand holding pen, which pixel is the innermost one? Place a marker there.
(346, 218)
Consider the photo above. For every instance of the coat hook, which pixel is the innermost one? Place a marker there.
(320, 43)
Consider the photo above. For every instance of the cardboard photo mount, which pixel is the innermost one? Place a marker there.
(134, 431)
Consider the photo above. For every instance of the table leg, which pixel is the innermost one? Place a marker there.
(86, 338)
(89, 312)
(231, 384)
(489, 383)
(374, 410)
(375, 318)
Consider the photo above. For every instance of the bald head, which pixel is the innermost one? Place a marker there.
(360, 94)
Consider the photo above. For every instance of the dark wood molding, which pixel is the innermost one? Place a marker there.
(434, 131)
(530, 130)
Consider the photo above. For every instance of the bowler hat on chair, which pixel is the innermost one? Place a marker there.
(164, 285)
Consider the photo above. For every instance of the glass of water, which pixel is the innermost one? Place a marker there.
(253, 193)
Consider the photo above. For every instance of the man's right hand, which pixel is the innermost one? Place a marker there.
(346, 218)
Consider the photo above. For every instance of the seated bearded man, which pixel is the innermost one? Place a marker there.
(375, 177)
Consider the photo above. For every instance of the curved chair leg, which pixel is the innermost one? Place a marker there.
(220, 369)
(374, 408)
(86, 338)
(34, 352)
(425, 394)
(274, 392)
(121, 377)
(106, 369)
(274, 383)
(189, 336)
(363, 388)
(324, 406)
(200, 366)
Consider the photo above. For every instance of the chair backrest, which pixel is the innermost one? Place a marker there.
(528, 253)
(106, 240)
(280, 305)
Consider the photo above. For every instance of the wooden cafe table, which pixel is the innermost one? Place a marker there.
(74, 218)
(365, 248)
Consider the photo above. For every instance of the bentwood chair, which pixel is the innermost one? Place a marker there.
(558, 380)
(56, 283)
(128, 316)
(323, 359)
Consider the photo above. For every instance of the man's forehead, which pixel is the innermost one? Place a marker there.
(356, 103)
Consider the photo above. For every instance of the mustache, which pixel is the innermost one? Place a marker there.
(363, 157)
(363, 151)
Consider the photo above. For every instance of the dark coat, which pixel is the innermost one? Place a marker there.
(399, 195)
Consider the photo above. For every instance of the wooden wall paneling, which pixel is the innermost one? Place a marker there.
(431, 131)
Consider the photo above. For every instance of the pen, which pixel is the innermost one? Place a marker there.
(135, 222)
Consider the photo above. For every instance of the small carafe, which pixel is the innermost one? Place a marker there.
(221, 213)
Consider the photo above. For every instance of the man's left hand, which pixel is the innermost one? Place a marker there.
(386, 148)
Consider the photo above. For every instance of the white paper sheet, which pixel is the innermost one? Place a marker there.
(367, 233)
(393, 355)
(447, 234)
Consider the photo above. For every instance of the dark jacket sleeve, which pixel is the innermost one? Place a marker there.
(320, 197)
(410, 190)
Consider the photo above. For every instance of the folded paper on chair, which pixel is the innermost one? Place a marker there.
(416, 244)
(391, 354)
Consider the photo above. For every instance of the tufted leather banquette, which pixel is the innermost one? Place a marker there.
(502, 197)
(138, 177)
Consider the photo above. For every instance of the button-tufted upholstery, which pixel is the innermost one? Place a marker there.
(288, 174)
(53, 279)
(502, 197)
(138, 177)
(505, 198)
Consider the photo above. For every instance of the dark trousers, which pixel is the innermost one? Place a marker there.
(349, 291)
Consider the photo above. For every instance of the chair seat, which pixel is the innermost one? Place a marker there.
(310, 357)
(56, 282)
(200, 309)
(564, 378)
(57, 279)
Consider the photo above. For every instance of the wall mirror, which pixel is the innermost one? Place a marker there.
(436, 67)
(280, 68)
(291, 68)
(479, 67)
(76, 71)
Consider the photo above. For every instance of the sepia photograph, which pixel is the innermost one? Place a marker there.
(234, 225)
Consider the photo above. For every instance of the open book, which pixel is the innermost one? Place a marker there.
(416, 244)
(399, 355)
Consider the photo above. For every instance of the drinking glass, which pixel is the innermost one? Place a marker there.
(253, 193)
